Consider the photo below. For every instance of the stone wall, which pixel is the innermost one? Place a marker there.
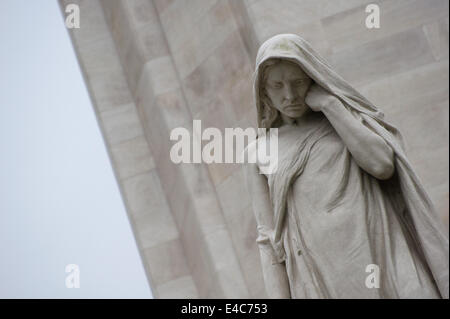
(151, 66)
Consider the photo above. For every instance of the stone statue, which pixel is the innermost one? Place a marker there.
(344, 215)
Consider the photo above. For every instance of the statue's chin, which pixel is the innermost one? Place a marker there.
(297, 113)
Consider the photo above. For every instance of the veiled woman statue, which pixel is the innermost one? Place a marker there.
(343, 215)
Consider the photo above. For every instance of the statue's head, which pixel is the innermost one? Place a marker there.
(286, 66)
(283, 90)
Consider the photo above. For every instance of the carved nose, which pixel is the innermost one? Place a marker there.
(289, 93)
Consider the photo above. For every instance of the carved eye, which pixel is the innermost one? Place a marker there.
(299, 82)
(277, 85)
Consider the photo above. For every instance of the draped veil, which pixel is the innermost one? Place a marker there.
(419, 216)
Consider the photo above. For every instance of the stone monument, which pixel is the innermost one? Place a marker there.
(151, 66)
(344, 198)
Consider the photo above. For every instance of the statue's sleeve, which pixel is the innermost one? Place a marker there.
(274, 273)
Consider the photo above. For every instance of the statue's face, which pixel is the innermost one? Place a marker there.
(287, 86)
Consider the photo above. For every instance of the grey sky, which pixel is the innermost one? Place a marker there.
(59, 201)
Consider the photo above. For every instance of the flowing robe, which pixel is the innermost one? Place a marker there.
(343, 236)
(391, 224)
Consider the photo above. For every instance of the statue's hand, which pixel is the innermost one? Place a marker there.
(317, 98)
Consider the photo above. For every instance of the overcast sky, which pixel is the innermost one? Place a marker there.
(59, 201)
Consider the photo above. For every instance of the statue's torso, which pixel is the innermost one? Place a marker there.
(341, 222)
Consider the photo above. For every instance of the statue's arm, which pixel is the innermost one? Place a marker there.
(369, 150)
(275, 276)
